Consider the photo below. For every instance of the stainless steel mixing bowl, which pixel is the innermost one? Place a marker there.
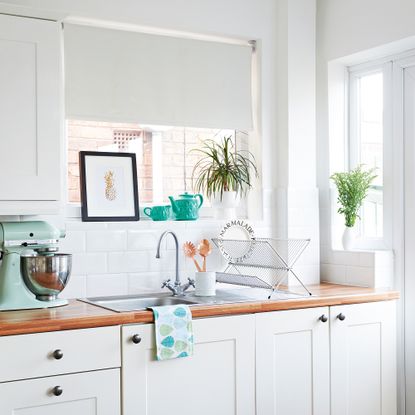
(46, 275)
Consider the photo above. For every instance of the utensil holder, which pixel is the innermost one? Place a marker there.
(205, 284)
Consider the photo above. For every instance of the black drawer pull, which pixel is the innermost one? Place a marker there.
(136, 339)
(57, 391)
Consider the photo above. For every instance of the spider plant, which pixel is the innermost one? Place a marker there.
(223, 169)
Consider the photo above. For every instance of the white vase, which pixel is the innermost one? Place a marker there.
(205, 284)
(348, 238)
(225, 207)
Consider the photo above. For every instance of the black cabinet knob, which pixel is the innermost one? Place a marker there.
(58, 354)
(323, 318)
(136, 339)
(57, 391)
(341, 317)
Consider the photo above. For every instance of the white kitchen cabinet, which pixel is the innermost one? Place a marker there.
(218, 379)
(292, 362)
(89, 393)
(30, 115)
(82, 364)
(27, 356)
(363, 359)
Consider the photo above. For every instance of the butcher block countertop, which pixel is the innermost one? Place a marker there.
(79, 315)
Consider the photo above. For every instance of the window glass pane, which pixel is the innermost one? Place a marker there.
(370, 147)
(164, 157)
(371, 123)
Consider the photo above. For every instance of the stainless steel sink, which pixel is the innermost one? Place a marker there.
(144, 301)
(133, 303)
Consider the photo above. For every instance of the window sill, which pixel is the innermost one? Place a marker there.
(207, 214)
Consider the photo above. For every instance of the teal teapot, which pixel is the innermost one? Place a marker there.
(187, 206)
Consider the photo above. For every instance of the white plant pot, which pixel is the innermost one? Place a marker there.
(225, 207)
(205, 284)
(348, 239)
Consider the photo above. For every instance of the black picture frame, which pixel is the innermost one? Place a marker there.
(86, 217)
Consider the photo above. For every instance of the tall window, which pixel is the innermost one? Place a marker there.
(368, 131)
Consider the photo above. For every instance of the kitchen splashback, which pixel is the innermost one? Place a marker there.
(118, 258)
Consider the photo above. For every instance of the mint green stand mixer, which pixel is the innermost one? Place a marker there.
(32, 272)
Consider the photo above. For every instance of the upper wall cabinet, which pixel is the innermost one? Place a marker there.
(30, 115)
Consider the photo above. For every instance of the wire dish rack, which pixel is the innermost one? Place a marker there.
(261, 262)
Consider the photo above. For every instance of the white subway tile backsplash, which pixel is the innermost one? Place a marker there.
(366, 259)
(77, 225)
(125, 226)
(302, 217)
(325, 254)
(308, 274)
(106, 241)
(363, 268)
(129, 261)
(166, 262)
(76, 287)
(89, 263)
(75, 241)
(119, 258)
(333, 273)
(138, 240)
(345, 258)
(106, 284)
(361, 276)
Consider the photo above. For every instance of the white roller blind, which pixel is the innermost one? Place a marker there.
(122, 76)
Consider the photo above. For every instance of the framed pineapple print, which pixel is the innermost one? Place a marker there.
(109, 190)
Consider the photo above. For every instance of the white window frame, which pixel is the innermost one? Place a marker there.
(353, 144)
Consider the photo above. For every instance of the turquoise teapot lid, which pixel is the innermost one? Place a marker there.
(187, 195)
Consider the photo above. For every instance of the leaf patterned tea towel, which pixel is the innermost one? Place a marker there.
(174, 331)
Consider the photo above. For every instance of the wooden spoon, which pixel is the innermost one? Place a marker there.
(190, 251)
(204, 249)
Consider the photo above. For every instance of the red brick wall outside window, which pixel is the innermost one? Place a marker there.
(174, 150)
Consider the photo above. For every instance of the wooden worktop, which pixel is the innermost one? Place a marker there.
(78, 315)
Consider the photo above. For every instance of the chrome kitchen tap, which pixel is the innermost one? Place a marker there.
(176, 288)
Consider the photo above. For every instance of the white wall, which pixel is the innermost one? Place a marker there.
(279, 27)
(349, 33)
(347, 27)
(352, 31)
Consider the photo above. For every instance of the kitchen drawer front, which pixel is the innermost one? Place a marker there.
(45, 354)
(89, 393)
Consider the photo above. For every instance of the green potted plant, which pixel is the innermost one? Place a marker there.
(352, 188)
(223, 174)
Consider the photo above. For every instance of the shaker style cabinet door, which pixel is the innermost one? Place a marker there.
(292, 362)
(30, 109)
(218, 379)
(363, 359)
(89, 393)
